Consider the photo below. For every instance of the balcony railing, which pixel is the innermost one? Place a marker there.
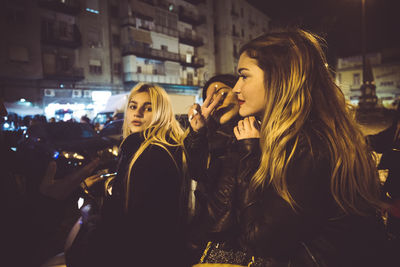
(70, 7)
(190, 17)
(166, 31)
(153, 78)
(190, 39)
(195, 62)
(128, 21)
(73, 74)
(196, 2)
(53, 37)
(148, 52)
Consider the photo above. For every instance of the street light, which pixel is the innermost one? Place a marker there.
(368, 97)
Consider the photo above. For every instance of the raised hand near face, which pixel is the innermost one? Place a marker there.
(247, 128)
(198, 115)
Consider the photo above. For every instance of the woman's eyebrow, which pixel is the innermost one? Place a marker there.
(242, 69)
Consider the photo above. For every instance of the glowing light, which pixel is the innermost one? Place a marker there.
(80, 202)
(92, 10)
(22, 100)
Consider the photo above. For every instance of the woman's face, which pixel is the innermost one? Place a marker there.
(229, 106)
(250, 88)
(139, 113)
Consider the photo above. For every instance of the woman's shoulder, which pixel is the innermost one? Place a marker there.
(160, 152)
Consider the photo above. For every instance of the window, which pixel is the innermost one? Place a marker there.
(94, 39)
(242, 33)
(233, 29)
(63, 29)
(95, 66)
(116, 40)
(18, 53)
(164, 48)
(139, 69)
(114, 11)
(47, 29)
(356, 79)
(117, 68)
(15, 17)
(64, 63)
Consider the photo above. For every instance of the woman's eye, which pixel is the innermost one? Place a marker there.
(244, 77)
(148, 109)
(133, 107)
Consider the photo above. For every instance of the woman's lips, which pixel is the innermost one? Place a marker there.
(241, 102)
(136, 123)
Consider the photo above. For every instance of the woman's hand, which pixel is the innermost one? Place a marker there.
(198, 115)
(247, 128)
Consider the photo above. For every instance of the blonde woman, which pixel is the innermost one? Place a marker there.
(308, 191)
(144, 219)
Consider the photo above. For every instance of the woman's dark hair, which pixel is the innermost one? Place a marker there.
(227, 79)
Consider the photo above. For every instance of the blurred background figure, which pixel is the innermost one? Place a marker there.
(387, 142)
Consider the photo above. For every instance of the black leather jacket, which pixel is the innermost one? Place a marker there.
(317, 233)
(213, 163)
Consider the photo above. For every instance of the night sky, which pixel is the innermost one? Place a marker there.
(339, 22)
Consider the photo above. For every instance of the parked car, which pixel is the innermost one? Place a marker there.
(71, 144)
(112, 132)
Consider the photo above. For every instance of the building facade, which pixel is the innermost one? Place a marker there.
(76, 53)
(386, 72)
(235, 23)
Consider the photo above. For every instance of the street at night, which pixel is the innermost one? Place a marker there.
(183, 132)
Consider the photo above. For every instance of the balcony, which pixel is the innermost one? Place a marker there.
(128, 21)
(195, 62)
(148, 52)
(70, 7)
(190, 17)
(73, 74)
(190, 39)
(166, 31)
(196, 2)
(152, 78)
(53, 37)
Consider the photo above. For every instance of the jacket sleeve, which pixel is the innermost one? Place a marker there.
(196, 146)
(153, 213)
(268, 224)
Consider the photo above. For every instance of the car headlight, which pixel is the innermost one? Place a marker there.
(114, 150)
(71, 155)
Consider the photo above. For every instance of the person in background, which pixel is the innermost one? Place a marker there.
(210, 145)
(144, 219)
(307, 192)
(387, 142)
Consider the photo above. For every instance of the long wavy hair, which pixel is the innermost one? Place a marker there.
(300, 91)
(164, 130)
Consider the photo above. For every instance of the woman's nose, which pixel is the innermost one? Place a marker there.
(236, 88)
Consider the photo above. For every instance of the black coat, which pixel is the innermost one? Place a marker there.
(317, 231)
(151, 232)
(385, 143)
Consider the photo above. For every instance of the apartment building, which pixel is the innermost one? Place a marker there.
(76, 53)
(386, 73)
(235, 23)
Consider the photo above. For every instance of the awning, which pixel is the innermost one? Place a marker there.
(140, 36)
